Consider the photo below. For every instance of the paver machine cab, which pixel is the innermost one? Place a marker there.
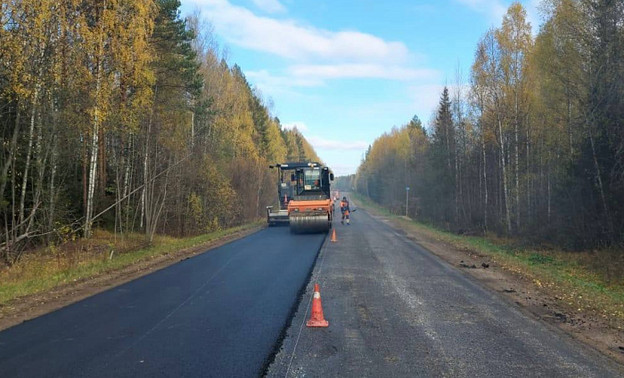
(304, 197)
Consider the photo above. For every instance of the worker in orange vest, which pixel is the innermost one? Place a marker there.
(344, 208)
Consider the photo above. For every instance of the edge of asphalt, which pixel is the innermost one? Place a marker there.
(302, 294)
(298, 316)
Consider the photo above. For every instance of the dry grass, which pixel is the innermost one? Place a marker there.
(52, 266)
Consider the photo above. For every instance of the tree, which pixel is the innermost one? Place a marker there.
(537, 152)
(515, 42)
(123, 115)
(443, 155)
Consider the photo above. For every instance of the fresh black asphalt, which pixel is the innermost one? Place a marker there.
(396, 310)
(217, 314)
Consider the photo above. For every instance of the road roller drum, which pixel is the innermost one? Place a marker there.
(309, 223)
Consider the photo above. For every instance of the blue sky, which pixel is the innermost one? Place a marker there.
(346, 71)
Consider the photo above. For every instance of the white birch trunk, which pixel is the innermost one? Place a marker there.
(94, 145)
(127, 181)
(485, 188)
(40, 165)
(504, 173)
(92, 176)
(517, 162)
(145, 201)
(28, 154)
(54, 167)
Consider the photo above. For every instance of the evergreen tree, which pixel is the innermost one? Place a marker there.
(442, 160)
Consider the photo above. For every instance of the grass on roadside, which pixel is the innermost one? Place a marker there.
(57, 265)
(590, 281)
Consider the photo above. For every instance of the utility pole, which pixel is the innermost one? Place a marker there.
(406, 199)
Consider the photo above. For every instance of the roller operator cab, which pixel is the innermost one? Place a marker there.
(304, 197)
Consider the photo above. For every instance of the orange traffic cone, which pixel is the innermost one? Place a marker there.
(316, 318)
(333, 237)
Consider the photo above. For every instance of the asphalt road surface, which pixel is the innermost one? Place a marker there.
(217, 314)
(395, 310)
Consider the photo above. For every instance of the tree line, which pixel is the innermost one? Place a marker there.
(532, 146)
(125, 116)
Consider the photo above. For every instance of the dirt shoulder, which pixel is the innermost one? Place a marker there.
(521, 290)
(29, 307)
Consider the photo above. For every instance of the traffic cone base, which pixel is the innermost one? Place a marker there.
(333, 237)
(317, 323)
(316, 318)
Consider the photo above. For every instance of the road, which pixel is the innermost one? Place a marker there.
(217, 314)
(396, 310)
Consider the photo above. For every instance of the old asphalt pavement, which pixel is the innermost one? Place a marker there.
(395, 310)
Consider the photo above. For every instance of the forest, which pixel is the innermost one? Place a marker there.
(124, 116)
(529, 145)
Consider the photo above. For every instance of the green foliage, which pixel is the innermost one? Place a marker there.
(537, 258)
(441, 177)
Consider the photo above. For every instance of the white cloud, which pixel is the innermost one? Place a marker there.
(290, 39)
(270, 6)
(312, 55)
(379, 71)
(301, 126)
(267, 81)
(310, 75)
(320, 143)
